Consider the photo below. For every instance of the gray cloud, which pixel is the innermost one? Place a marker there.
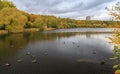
(64, 8)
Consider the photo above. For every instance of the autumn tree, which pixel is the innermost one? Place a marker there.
(13, 19)
(6, 3)
(52, 22)
(39, 22)
(115, 11)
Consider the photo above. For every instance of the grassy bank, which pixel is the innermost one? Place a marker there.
(46, 29)
(31, 30)
(2, 32)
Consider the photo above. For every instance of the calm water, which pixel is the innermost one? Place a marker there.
(108, 30)
(56, 53)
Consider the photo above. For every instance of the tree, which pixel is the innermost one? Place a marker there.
(32, 18)
(6, 3)
(39, 22)
(52, 22)
(13, 19)
(115, 11)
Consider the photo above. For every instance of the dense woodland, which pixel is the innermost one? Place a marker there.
(14, 20)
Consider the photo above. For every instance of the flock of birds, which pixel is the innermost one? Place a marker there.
(93, 52)
(20, 60)
(34, 60)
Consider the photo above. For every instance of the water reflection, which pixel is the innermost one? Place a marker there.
(10, 44)
(56, 53)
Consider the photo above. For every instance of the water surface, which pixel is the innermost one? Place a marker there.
(56, 53)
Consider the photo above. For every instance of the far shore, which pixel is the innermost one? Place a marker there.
(3, 32)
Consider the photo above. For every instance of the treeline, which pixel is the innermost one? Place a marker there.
(15, 20)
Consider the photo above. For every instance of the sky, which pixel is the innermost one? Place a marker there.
(75, 9)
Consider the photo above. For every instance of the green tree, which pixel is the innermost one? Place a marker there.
(52, 22)
(39, 22)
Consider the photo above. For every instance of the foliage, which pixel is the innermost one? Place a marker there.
(117, 71)
(116, 40)
(2, 27)
(39, 22)
(28, 25)
(14, 20)
(52, 22)
(5, 3)
(115, 12)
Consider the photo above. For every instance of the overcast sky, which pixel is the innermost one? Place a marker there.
(77, 9)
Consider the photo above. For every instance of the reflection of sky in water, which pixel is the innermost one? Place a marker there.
(66, 53)
(94, 40)
(84, 30)
(79, 46)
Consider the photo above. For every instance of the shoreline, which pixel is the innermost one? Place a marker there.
(4, 32)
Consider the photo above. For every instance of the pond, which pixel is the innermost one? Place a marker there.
(56, 52)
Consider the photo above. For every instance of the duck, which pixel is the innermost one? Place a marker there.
(19, 60)
(102, 62)
(7, 64)
(28, 53)
(34, 61)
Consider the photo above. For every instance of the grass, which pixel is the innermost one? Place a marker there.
(46, 29)
(3, 32)
(31, 30)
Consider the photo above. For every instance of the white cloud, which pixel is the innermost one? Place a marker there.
(76, 9)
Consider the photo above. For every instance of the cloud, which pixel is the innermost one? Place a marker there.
(65, 8)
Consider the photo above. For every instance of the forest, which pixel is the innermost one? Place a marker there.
(15, 20)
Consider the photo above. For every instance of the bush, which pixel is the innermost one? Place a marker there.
(2, 27)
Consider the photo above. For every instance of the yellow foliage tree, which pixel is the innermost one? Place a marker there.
(115, 11)
(13, 19)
